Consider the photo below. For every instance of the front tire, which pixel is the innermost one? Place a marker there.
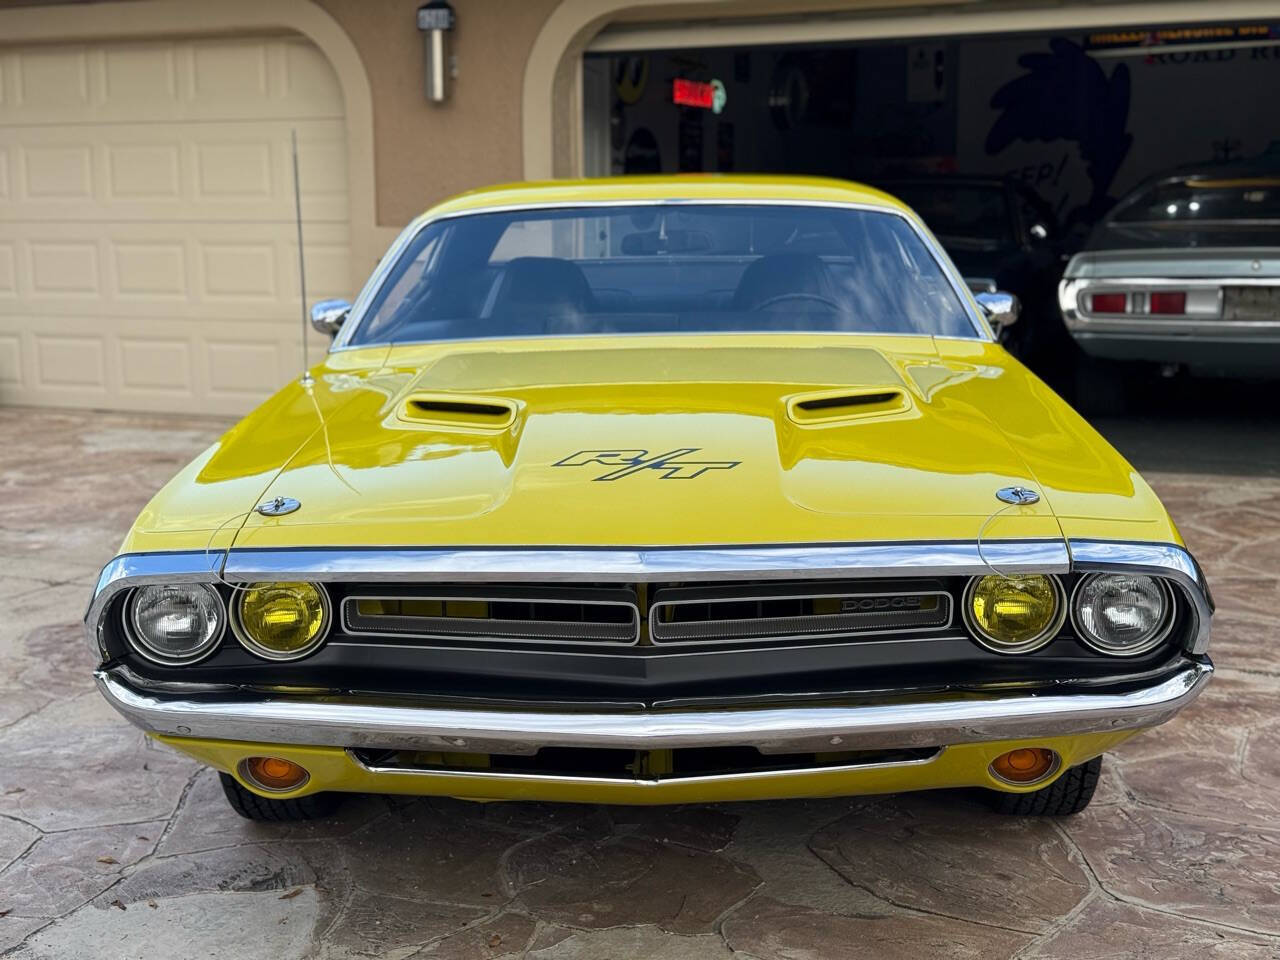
(1069, 794)
(251, 806)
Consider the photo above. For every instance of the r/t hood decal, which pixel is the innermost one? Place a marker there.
(670, 466)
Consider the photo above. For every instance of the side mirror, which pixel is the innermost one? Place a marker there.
(1001, 308)
(327, 316)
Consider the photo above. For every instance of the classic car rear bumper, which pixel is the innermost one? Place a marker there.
(228, 714)
(1207, 335)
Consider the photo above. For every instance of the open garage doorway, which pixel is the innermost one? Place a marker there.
(1078, 117)
(1011, 146)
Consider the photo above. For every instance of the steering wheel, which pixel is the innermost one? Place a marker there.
(784, 297)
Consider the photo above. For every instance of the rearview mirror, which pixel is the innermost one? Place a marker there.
(327, 316)
(653, 242)
(1001, 308)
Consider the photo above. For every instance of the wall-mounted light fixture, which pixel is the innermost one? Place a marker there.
(436, 21)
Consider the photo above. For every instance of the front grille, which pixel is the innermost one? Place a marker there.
(761, 613)
(645, 615)
(530, 615)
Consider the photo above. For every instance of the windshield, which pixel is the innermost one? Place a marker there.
(963, 216)
(679, 268)
(1199, 212)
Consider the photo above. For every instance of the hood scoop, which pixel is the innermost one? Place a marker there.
(458, 410)
(846, 404)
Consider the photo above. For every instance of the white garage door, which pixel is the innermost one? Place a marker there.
(148, 258)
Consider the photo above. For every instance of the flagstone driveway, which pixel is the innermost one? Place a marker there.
(111, 846)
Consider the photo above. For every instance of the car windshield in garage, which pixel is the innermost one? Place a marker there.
(964, 216)
(670, 268)
(1197, 212)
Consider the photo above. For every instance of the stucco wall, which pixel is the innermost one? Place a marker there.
(424, 152)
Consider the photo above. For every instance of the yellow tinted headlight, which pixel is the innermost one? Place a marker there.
(282, 621)
(1015, 614)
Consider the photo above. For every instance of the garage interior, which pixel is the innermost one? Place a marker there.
(1080, 116)
(1010, 146)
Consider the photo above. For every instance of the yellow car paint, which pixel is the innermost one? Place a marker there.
(972, 420)
(964, 765)
(374, 463)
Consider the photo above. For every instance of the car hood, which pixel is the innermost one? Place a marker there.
(663, 441)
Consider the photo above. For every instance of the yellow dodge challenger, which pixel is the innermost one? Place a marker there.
(656, 490)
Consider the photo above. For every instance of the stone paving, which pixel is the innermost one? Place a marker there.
(111, 846)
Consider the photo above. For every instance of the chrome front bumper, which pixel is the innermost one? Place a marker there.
(352, 722)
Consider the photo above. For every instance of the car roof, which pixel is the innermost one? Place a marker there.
(948, 179)
(1265, 166)
(680, 188)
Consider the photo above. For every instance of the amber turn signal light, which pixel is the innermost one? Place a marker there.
(1025, 765)
(273, 773)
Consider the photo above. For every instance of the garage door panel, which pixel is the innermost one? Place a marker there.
(224, 171)
(137, 172)
(52, 80)
(238, 271)
(144, 73)
(8, 271)
(278, 78)
(223, 72)
(56, 172)
(154, 365)
(234, 170)
(222, 366)
(148, 250)
(150, 269)
(64, 360)
(63, 268)
(175, 272)
(10, 359)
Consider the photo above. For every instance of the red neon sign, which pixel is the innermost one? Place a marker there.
(691, 93)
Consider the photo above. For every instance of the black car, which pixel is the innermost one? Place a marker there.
(1001, 235)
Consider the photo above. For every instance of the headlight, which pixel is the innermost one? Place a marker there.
(175, 623)
(1121, 614)
(282, 621)
(1014, 614)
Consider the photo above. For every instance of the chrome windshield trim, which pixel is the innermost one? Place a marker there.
(649, 564)
(390, 724)
(356, 316)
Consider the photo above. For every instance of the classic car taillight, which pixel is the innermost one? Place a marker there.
(1169, 301)
(1108, 302)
